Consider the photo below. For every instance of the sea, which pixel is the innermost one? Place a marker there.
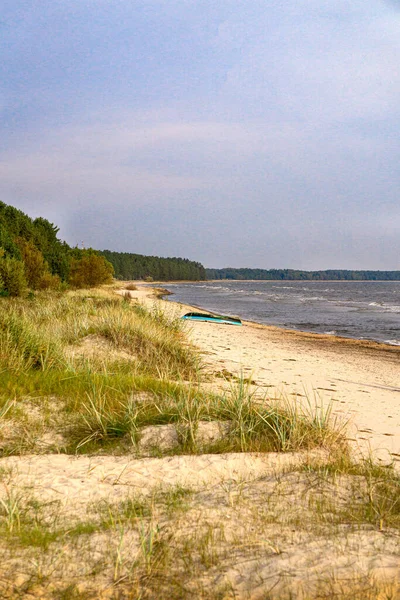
(365, 310)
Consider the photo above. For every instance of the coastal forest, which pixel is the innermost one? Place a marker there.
(32, 257)
(138, 266)
(295, 275)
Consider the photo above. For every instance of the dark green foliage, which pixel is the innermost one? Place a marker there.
(36, 268)
(40, 233)
(16, 222)
(46, 261)
(137, 266)
(293, 275)
(54, 252)
(33, 255)
(6, 242)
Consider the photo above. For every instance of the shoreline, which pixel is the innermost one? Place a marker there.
(367, 341)
(359, 379)
(172, 498)
(375, 344)
(325, 338)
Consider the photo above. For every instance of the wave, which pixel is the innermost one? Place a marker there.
(359, 310)
(393, 309)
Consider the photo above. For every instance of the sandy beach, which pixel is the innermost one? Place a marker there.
(248, 525)
(360, 378)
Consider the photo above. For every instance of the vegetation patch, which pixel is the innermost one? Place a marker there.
(139, 394)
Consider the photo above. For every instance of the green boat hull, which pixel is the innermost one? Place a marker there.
(212, 318)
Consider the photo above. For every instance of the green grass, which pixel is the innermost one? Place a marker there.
(169, 542)
(23, 346)
(105, 398)
(35, 333)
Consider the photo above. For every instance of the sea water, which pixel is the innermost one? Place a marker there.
(355, 309)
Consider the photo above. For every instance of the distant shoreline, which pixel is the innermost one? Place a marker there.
(247, 273)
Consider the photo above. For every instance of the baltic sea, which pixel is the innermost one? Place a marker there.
(355, 309)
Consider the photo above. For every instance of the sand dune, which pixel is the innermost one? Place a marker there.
(254, 525)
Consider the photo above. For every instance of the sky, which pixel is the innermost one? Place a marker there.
(241, 133)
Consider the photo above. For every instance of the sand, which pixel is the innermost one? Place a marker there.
(246, 508)
(361, 379)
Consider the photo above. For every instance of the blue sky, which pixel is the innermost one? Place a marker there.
(237, 133)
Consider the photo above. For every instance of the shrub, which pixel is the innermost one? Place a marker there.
(49, 282)
(12, 274)
(36, 268)
(90, 270)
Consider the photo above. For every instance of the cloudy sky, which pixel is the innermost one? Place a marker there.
(247, 133)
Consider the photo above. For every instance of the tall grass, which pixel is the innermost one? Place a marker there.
(259, 423)
(34, 334)
(23, 346)
(152, 338)
(144, 373)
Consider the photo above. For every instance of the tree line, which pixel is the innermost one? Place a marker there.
(137, 266)
(32, 257)
(294, 275)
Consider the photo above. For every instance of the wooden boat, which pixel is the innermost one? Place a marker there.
(193, 316)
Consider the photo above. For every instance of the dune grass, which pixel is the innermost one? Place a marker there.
(96, 371)
(140, 372)
(35, 333)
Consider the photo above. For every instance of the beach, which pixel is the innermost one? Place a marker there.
(152, 518)
(361, 379)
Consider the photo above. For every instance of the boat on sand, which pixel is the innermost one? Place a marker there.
(194, 316)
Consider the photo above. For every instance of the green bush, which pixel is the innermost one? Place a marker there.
(12, 275)
(90, 270)
(35, 265)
